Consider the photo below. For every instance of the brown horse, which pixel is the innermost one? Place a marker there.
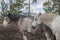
(23, 22)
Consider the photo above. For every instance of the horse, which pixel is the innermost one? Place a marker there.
(23, 22)
(44, 30)
(47, 19)
(56, 27)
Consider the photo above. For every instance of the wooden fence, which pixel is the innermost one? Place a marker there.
(13, 33)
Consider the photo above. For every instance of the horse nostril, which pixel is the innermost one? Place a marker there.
(33, 27)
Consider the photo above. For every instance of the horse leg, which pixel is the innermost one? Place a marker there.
(19, 26)
(24, 37)
(52, 36)
(47, 36)
(49, 33)
(44, 36)
(57, 36)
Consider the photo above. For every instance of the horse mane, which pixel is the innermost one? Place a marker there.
(15, 17)
(46, 27)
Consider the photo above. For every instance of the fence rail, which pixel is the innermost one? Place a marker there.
(12, 33)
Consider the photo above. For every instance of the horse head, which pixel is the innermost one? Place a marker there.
(36, 21)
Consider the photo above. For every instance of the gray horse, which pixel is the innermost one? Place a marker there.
(41, 23)
(44, 29)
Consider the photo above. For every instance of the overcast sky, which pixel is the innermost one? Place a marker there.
(36, 7)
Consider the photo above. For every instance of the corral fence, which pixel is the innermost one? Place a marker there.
(12, 33)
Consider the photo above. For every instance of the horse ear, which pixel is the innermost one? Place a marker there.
(8, 13)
